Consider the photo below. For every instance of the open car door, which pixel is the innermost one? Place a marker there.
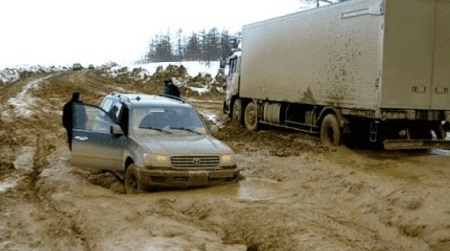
(94, 146)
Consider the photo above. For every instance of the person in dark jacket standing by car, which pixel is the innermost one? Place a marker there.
(74, 116)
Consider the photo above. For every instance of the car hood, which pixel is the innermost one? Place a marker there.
(198, 144)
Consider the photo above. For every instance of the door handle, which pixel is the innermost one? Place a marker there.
(81, 138)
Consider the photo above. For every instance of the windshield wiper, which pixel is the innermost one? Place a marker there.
(155, 128)
(185, 129)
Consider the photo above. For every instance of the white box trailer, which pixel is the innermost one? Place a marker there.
(372, 69)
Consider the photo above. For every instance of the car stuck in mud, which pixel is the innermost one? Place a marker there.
(154, 141)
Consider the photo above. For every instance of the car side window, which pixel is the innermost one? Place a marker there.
(107, 104)
(96, 119)
(114, 112)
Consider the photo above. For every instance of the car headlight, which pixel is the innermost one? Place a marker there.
(228, 159)
(156, 160)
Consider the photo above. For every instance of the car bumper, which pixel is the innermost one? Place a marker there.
(176, 178)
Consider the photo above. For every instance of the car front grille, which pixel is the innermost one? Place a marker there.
(195, 161)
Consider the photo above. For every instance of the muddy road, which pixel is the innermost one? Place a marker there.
(293, 195)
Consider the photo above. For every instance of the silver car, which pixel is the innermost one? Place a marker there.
(77, 67)
(154, 141)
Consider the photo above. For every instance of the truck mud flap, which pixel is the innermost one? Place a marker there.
(393, 144)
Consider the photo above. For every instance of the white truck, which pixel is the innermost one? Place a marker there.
(363, 71)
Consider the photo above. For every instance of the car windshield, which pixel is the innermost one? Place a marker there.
(168, 120)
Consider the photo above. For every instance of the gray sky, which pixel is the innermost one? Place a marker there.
(61, 32)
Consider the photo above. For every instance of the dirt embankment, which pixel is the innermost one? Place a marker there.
(294, 194)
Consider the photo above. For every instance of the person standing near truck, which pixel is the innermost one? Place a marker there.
(74, 116)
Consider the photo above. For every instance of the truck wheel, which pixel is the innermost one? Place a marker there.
(132, 183)
(236, 113)
(251, 116)
(330, 133)
(440, 132)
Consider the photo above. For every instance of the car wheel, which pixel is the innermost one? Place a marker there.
(330, 133)
(251, 116)
(237, 111)
(132, 183)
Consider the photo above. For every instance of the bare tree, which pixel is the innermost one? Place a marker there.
(161, 49)
(213, 45)
(192, 50)
(202, 46)
(179, 55)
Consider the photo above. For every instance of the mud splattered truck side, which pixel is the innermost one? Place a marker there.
(362, 70)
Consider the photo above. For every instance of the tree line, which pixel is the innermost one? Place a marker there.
(207, 46)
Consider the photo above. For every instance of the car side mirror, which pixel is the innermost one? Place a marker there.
(213, 129)
(116, 130)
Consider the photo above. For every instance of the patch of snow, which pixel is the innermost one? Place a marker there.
(142, 71)
(200, 90)
(9, 75)
(193, 67)
(24, 100)
(24, 160)
(7, 183)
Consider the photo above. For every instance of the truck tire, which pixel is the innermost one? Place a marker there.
(236, 113)
(440, 132)
(132, 183)
(251, 116)
(330, 133)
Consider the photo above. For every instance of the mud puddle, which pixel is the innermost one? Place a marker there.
(249, 189)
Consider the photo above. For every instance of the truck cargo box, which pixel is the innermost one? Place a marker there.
(367, 55)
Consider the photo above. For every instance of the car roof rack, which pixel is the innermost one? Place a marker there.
(121, 96)
(172, 97)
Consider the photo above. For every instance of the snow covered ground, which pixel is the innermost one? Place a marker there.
(9, 75)
(193, 67)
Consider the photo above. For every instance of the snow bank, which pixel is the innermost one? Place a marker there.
(8, 75)
(193, 68)
(198, 77)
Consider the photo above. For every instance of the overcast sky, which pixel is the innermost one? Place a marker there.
(61, 32)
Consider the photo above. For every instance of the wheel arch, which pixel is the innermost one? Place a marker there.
(244, 101)
(127, 163)
(331, 110)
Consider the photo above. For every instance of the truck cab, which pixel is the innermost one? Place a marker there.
(232, 88)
